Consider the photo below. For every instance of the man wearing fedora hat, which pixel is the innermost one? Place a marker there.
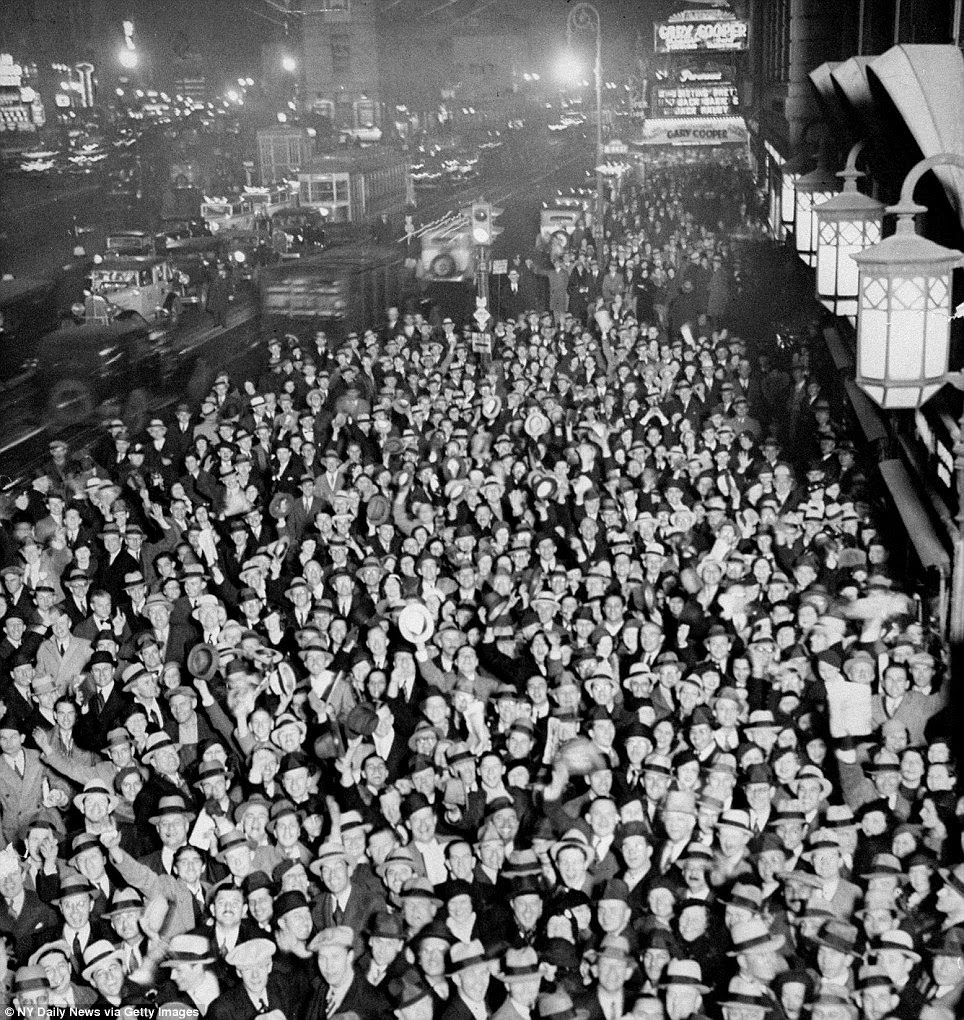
(339, 987)
(191, 980)
(522, 978)
(470, 971)
(64, 991)
(104, 971)
(259, 990)
(343, 902)
(612, 966)
(684, 989)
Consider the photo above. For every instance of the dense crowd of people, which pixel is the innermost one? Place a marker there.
(556, 672)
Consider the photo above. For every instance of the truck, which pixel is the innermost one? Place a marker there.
(339, 291)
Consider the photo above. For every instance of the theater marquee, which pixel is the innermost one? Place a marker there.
(694, 131)
(689, 31)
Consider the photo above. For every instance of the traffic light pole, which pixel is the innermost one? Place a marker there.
(482, 264)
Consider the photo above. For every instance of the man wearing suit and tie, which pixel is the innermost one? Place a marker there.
(22, 781)
(107, 704)
(512, 302)
(173, 639)
(522, 979)
(62, 656)
(340, 989)
(305, 507)
(259, 991)
(426, 846)
(332, 479)
(76, 926)
(471, 974)
(22, 912)
(897, 701)
(75, 603)
(343, 902)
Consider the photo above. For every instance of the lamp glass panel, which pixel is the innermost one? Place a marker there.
(788, 198)
(902, 397)
(827, 269)
(802, 224)
(873, 342)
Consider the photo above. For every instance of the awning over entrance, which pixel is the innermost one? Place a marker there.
(912, 512)
(926, 85)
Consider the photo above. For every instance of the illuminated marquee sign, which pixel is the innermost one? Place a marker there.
(692, 98)
(695, 131)
(693, 30)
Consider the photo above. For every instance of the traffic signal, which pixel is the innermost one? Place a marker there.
(482, 216)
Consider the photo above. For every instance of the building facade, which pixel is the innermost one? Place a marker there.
(888, 74)
(340, 77)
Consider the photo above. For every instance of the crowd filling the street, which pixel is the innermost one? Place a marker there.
(550, 667)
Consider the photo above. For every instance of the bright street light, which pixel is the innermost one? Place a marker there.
(128, 58)
(570, 68)
(289, 64)
(233, 95)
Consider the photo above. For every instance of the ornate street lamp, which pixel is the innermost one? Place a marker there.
(585, 17)
(903, 339)
(904, 306)
(846, 225)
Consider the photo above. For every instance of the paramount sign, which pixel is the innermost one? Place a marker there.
(703, 33)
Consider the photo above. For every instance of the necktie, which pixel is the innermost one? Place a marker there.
(99, 703)
(330, 1000)
(14, 913)
(338, 914)
(78, 951)
(18, 765)
(63, 649)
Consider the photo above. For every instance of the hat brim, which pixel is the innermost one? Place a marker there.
(111, 799)
(115, 954)
(415, 623)
(772, 945)
(169, 962)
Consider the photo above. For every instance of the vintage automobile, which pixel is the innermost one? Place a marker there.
(28, 310)
(124, 362)
(149, 285)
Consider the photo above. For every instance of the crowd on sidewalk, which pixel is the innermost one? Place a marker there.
(556, 672)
